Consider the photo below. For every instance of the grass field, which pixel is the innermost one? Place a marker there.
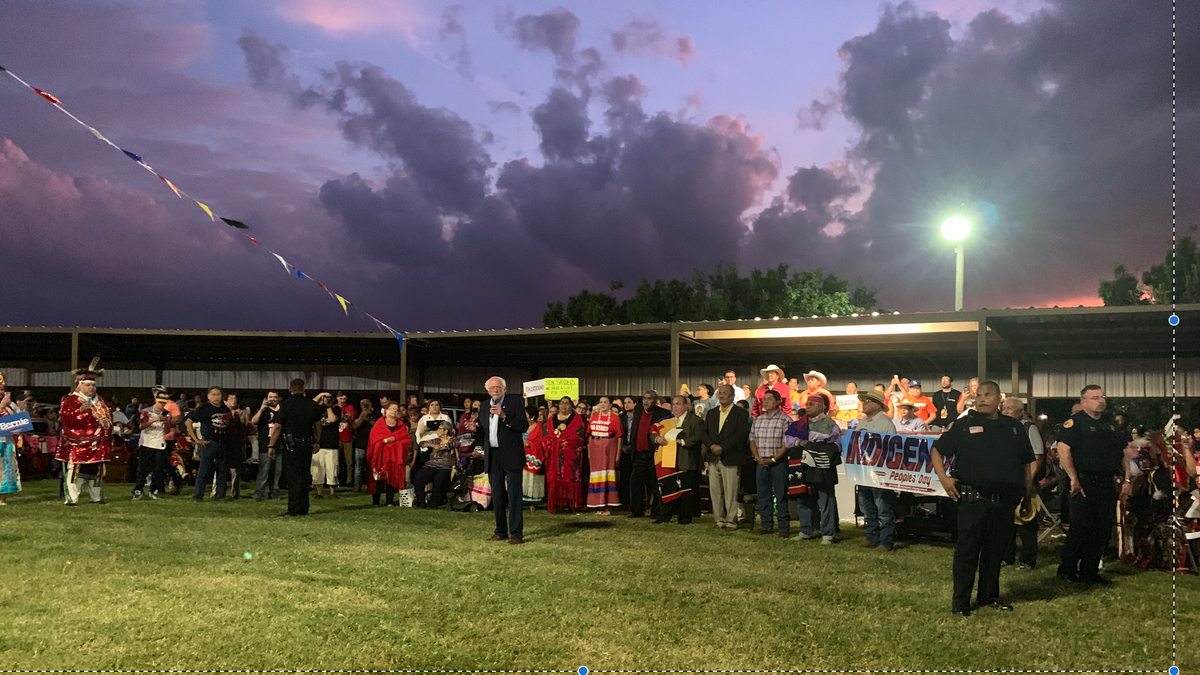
(166, 585)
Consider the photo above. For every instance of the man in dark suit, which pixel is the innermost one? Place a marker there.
(688, 460)
(641, 449)
(502, 427)
(726, 447)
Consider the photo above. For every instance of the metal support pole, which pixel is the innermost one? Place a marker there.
(675, 383)
(1016, 378)
(981, 350)
(958, 278)
(404, 372)
(74, 350)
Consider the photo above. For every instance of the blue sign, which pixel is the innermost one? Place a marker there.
(12, 424)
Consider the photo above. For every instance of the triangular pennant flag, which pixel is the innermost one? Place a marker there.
(97, 134)
(322, 287)
(300, 275)
(170, 185)
(286, 266)
(236, 223)
(252, 239)
(400, 339)
(132, 156)
(48, 97)
(343, 301)
(1, 68)
(206, 210)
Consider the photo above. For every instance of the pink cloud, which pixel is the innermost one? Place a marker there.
(405, 17)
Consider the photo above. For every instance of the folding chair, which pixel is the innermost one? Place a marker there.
(1054, 520)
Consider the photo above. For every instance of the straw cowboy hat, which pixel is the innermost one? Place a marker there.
(1027, 512)
(872, 396)
(819, 376)
(771, 367)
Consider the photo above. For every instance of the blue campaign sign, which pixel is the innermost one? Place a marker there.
(13, 424)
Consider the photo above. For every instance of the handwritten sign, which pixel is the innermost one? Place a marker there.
(558, 387)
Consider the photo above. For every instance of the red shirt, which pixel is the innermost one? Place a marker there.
(605, 427)
(643, 432)
(345, 430)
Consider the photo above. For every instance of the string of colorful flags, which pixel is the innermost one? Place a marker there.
(292, 270)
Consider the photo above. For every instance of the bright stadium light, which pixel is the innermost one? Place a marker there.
(956, 230)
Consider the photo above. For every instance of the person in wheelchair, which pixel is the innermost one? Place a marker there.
(443, 454)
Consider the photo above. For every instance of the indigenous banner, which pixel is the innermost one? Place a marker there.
(12, 424)
(898, 461)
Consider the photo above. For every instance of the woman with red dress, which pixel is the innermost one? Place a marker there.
(604, 451)
(563, 444)
(388, 456)
(533, 479)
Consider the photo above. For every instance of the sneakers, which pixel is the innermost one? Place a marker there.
(153, 495)
(137, 495)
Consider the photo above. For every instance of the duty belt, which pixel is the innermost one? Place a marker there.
(969, 495)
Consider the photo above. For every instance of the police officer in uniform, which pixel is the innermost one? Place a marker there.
(1091, 450)
(993, 473)
(297, 428)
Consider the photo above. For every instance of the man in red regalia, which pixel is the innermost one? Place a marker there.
(86, 437)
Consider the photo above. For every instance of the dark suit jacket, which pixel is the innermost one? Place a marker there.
(657, 414)
(734, 437)
(510, 455)
(692, 435)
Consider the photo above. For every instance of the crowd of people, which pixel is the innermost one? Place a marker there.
(767, 446)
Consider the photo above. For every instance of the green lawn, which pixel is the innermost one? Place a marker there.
(166, 585)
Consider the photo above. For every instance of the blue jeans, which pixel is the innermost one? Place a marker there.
(212, 456)
(360, 467)
(268, 475)
(507, 496)
(824, 500)
(773, 497)
(880, 515)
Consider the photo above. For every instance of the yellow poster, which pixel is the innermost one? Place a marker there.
(558, 387)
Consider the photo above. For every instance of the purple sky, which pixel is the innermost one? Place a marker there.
(454, 166)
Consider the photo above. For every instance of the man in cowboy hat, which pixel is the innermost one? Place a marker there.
(86, 444)
(816, 385)
(774, 380)
(877, 504)
(906, 417)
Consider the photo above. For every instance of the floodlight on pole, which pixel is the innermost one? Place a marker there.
(956, 230)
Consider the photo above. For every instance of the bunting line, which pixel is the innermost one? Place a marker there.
(236, 224)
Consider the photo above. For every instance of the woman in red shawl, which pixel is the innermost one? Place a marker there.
(533, 479)
(387, 456)
(563, 443)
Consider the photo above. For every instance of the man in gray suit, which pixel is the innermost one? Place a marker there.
(502, 426)
(688, 461)
(726, 445)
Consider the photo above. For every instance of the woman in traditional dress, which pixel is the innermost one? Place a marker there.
(388, 456)
(533, 479)
(10, 474)
(604, 451)
(563, 442)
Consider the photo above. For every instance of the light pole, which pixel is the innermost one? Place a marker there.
(956, 230)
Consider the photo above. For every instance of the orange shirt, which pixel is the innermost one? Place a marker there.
(833, 407)
(925, 408)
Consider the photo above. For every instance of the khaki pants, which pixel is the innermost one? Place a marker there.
(723, 490)
(347, 448)
(324, 467)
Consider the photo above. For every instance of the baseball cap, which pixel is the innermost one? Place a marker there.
(914, 383)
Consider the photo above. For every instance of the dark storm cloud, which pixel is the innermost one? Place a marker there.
(453, 34)
(815, 188)
(648, 37)
(562, 122)
(554, 31)
(504, 106)
(438, 149)
(1061, 121)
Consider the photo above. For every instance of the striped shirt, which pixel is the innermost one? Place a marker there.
(767, 432)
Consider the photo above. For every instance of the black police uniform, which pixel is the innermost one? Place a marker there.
(1097, 449)
(297, 415)
(990, 465)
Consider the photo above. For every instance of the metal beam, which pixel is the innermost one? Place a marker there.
(674, 360)
(981, 349)
(74, 350)
(404, 371)
(1016, 377)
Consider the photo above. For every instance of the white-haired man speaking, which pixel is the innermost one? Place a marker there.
(502, 427)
